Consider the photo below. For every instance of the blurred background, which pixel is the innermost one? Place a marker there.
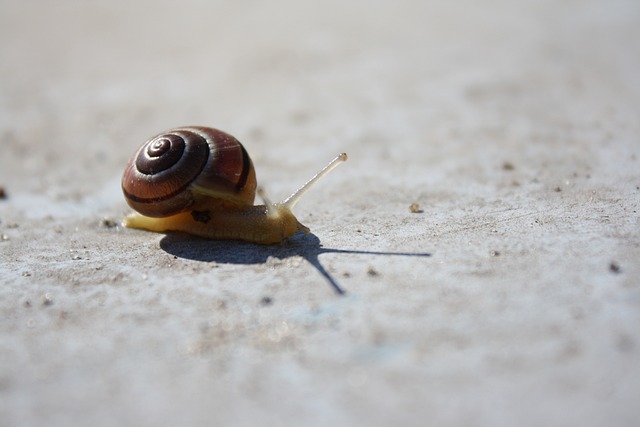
(514, 124)
(366, 77)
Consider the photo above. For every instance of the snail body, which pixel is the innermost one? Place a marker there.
(202, 181)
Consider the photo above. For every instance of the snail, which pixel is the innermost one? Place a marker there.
(201, 181)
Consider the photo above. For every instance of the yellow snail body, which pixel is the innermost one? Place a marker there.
(201, 181)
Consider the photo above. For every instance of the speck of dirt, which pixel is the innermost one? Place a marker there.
(614, 267)
(508, 166)
(557, 189)
(372, 272)
(26, 274)
(494, 253)
(201, 216)
(108, 223)
(3, 193)
(47, 299)
(266, 301)
(415, 208)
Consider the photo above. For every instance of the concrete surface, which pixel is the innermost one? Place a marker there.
(513, 298)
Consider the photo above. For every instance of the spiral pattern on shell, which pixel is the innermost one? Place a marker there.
(188, 168)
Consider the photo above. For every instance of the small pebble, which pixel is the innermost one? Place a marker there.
(47, 299)
(614, 267)
(508, 166)
(415, 208)
(108, 223)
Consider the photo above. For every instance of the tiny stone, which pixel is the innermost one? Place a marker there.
(508, 166)
(47, 300)
(614, 267)
(108, 223)
(415, 208)
(372, 272)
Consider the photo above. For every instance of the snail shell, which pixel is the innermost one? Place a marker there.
(189, 168)
(201, 181)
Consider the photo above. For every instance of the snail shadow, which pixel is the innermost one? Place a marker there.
(236, 252)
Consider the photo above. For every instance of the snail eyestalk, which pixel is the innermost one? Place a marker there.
(291, 201)
(269, 206)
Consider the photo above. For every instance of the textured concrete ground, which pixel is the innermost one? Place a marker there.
(512, 298)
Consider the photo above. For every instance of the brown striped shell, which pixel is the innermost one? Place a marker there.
(189, 168)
